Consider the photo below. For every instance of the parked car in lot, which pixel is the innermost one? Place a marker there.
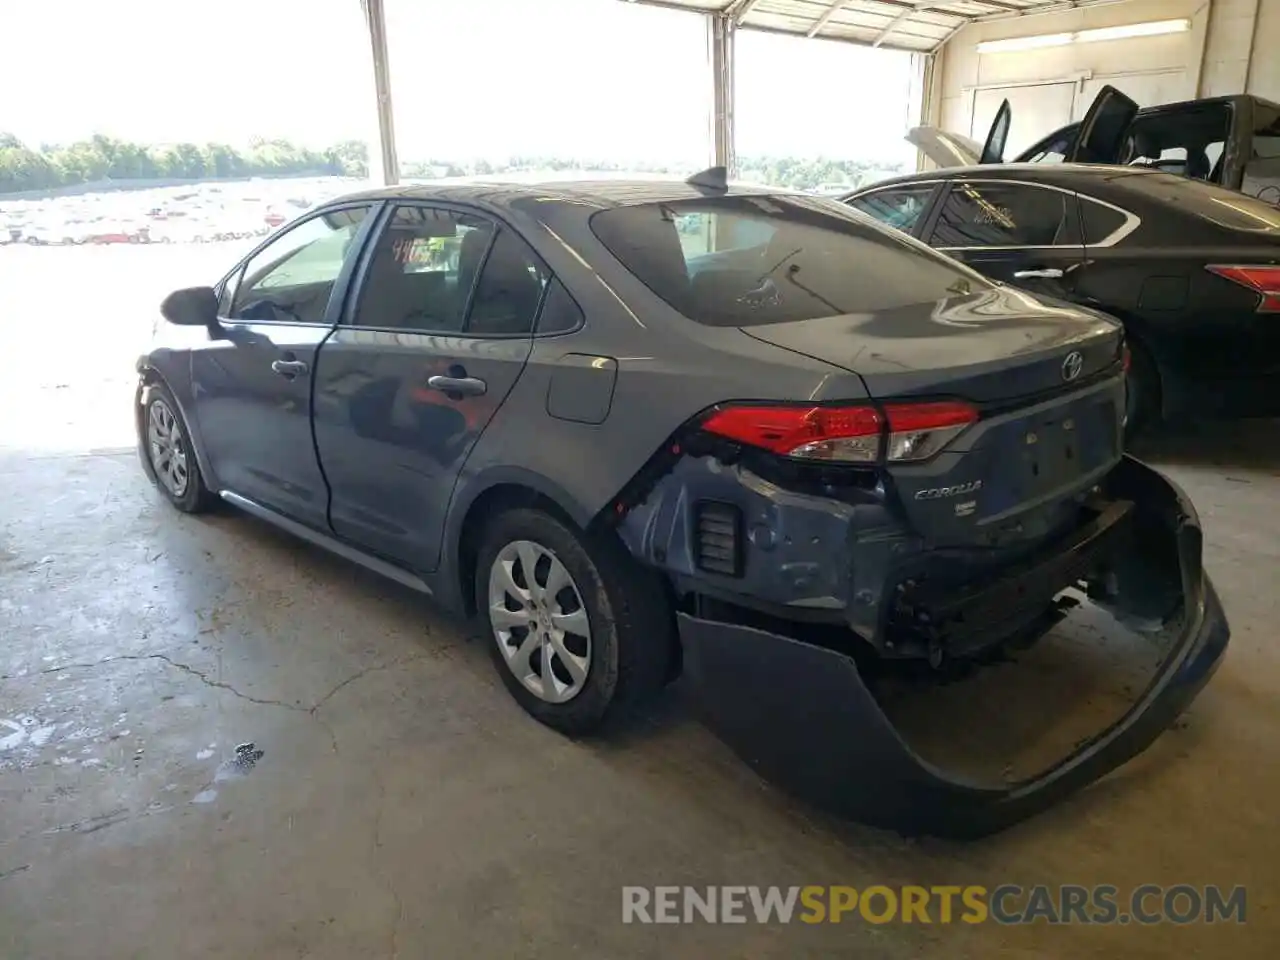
(639, 427)
(1192, 269)
(1232, 141)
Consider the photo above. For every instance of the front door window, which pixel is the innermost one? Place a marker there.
(290, 279)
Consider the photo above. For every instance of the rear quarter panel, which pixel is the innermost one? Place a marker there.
(1197, 327)
(668, 370)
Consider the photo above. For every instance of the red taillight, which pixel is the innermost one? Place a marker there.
(1126, 357)
(802, 431)
(1264, 280)
(857, 434)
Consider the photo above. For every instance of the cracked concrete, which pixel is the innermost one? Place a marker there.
(404, 807)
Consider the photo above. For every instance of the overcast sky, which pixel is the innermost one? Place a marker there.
(585, 78)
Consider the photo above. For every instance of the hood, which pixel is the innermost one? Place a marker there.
(945, 149)
(996, 344)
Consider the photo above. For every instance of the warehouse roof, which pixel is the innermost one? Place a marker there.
(917, 25)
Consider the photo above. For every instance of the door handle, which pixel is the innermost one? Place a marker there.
(289, 368)
(1047, 273)
(462, 386)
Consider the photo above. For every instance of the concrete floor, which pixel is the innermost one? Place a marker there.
(403, 806)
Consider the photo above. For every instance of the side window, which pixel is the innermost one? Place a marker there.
(1100, 221)
(1056, 152)
(1050, 151)
(291, 278)
(1262, 167)
(560, 312)
(1001, 215)
(900, 208)
(422, 270)
(509, 291)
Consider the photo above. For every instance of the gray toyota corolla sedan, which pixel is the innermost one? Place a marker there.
(640, 428)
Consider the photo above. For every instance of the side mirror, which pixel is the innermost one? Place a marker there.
(191, 307)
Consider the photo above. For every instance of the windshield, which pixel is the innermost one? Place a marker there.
(749, 260)
(1226, 208)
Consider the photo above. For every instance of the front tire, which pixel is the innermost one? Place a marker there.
(168, 454)
(578, 631)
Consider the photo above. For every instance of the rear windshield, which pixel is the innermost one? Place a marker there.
(1226, 208)
(745, 261)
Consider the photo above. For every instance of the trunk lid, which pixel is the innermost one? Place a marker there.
(1050, 419)
(997, 345)
(945, 149)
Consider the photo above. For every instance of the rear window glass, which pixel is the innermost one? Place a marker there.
(745, 261)
(1100, 222)
(1226, 208)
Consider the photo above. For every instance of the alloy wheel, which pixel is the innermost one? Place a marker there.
(168, 448)
(539, 621)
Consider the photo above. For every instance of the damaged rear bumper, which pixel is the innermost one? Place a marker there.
(803, 716)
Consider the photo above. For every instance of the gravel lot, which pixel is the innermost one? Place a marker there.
(73, 321)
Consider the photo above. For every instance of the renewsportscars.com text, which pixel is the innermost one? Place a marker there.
(1005, 904)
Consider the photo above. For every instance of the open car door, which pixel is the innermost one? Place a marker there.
(993, 149)
(956, 150)
(1104, 128)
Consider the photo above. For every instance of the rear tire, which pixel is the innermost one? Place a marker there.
(579, 632)
(1142, 392)
(168, 454)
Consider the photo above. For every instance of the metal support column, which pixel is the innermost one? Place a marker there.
(387, 165)
(720, 31)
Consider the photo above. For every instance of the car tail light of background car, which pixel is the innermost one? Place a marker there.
(895, 432)
(1263, 279)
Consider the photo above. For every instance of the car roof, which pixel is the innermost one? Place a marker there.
(1230, 98)
(1057, 174)
(606, 191)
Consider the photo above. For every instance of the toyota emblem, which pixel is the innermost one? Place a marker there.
(1072, 365)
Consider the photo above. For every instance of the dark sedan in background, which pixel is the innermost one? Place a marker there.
(1190, 268)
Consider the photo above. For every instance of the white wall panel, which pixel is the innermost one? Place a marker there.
(1036, 110)
(1148, 89)
(1164, 67)
(1264, 74)
(1226, 59)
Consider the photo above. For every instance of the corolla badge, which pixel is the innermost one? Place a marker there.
(943, 493)
(1072, 365)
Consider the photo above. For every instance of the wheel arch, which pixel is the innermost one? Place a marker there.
(500, 489)
(150, 375)
(1140, 335)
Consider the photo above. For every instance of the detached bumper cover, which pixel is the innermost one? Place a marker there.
(802, 716)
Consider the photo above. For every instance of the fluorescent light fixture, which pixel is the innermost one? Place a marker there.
(1025, 43)
(1152, 28)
